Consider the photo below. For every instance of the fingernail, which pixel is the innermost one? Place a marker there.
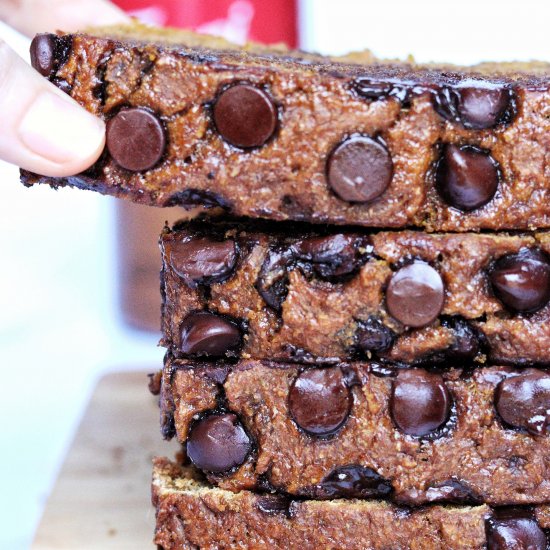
(57, 129)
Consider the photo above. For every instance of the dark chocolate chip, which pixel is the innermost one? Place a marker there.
(203, 259)
(333, 256)
(191, 198)
(452, 491)
(481, 107)
(420, 401)
(474, 104)
(136, 139)
(466, 177)
(360, 169)
(520, 533)
(352, 482)
(523, 401)
(375, 89)
(42, 52)
(373, 336)
(217, 374)
(63, 85)
(274, 504)
(522, 281)
(273, 277)
(319, 400)
(245, 115)
(445, 101)
(205, 333)
(415, 294)
(218, 443)
(467, 342)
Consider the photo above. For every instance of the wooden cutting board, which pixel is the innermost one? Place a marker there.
(102, 496)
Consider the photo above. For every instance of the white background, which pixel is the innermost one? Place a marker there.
(59, 326)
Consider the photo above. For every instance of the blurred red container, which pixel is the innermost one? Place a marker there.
(138, 227)
(265, 21)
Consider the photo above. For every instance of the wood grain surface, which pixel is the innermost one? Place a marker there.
(102, 496)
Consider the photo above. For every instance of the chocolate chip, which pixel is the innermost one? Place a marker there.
(474, 104)
(523, 401)
(205, 333)
(522, 281)
(136, 139)
(42, 52)
(373, 336)
(319, 400)
(481, 107)
(217, 373)
(352, 482)
(452, 491)
(274, 504)
(203, 260)
(415, 294)
(333, 256)
(245, 116)
(466, 177)
(515, 533)
(191, 198)
(63, 85)
(360, 169)
(448, 491)
(420, 402)
(467, 341)
(375, 89)
(218, 443)
(273, 277)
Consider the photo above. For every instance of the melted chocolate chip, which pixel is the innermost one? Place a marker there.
(352, 482)
(373, 336)
(415, 294)
(245, 116)
(136, 139)
(63, 85)
(191, 198)
(523, 401)
(274, 504)
(375, 90)
(467, 342)
(319, 400)
(451, 491)
(515, 533)
(273, 277)
(333, 256)
(203, 260)
(466, 177)
(205, 333)
(420, 402)
(218, 443)
(42, 52)
(522, 281)
(360, 169)
(475, 104)
(217, 374)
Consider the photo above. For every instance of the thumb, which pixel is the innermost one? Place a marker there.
(43, 130)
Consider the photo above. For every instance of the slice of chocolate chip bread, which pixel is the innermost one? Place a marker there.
(290, 292)
(363, 430)
(267, 133)
(190, 514)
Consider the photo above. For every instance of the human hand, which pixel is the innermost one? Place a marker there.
(43, 130)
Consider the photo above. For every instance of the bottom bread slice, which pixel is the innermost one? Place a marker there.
(192, 514)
